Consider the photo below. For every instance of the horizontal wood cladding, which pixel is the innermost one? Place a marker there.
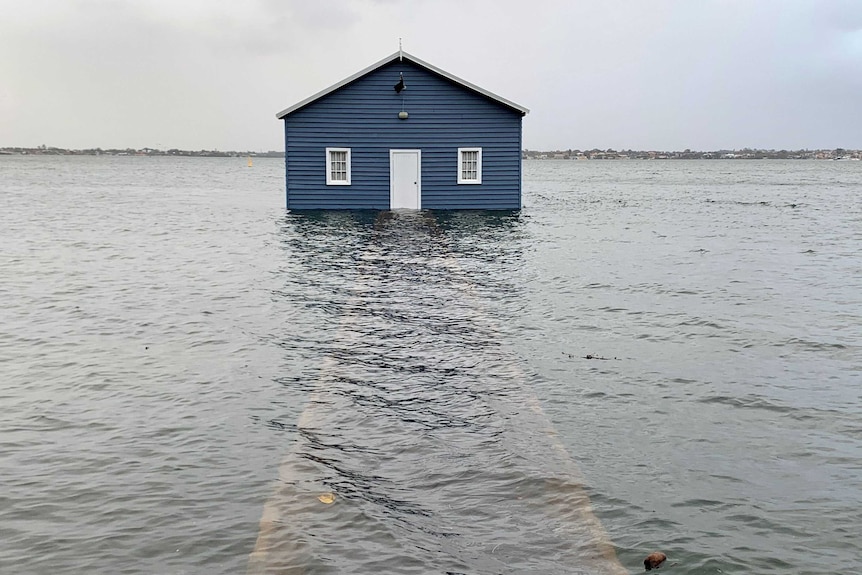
(443, 117)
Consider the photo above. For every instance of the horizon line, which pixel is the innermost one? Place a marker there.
(525, 149)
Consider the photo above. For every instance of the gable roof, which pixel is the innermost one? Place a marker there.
(403, 56)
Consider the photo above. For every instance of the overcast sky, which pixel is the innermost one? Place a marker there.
(657, 74)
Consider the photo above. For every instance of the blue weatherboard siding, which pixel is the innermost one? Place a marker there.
(363, 116)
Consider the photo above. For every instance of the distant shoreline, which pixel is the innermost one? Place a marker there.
(743, 154)
(594, 154)
(51, 151)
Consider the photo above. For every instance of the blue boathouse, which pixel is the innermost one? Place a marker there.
(403, 134)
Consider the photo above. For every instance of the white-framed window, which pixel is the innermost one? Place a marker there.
(337, 166)
(469, 165)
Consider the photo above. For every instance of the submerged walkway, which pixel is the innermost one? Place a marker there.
(421, 448)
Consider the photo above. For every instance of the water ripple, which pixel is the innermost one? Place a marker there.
(188, 369)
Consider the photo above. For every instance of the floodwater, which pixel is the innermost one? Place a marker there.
(649, 356)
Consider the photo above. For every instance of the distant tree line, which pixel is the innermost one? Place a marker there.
(688, 154)
(52, 151)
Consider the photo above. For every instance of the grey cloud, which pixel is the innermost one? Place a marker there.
(663, 74)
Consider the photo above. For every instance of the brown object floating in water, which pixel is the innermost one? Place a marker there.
(654, 560)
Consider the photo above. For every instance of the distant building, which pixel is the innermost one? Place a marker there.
(403, 134)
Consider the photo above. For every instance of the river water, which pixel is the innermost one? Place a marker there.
(649, 356)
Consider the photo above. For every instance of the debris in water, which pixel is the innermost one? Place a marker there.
(654, 560)
(590, 356)
(327, 498)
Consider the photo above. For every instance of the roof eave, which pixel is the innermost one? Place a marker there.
(509, 104)
(499, 99)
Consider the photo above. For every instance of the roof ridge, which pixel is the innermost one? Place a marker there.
(401, 55)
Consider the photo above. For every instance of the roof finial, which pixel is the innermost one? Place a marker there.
(400, 54)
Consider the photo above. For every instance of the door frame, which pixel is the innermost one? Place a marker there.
(418, 154)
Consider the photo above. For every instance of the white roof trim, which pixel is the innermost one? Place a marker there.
(415, 60)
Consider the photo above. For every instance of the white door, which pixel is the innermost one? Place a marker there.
(405, 183)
